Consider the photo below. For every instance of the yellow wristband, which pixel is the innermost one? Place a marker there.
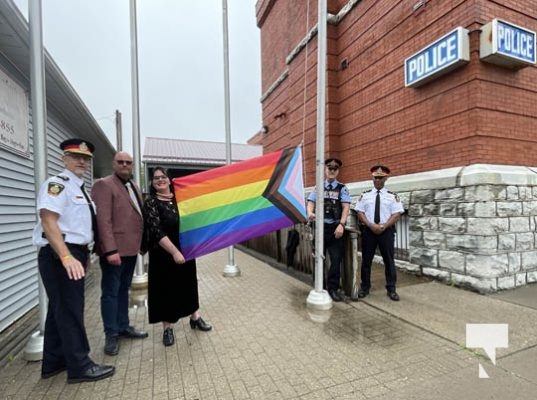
(67, 257)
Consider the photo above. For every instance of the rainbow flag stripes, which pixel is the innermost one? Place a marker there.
(228, 205)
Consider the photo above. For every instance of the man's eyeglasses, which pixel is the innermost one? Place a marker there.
(160, 177)
(378, 178)
(332, 168)
(124, 162)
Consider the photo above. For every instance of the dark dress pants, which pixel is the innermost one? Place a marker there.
(335, 250)
(385, 243)
(115, 283)
(65, 343)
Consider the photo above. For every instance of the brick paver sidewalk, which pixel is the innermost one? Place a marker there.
(264, 345)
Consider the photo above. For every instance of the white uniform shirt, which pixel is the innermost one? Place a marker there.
(389, 204)
(65, 197)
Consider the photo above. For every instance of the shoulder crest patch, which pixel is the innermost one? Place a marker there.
(55, 188)
(394, 195)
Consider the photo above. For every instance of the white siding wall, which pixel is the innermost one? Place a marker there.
(18, 256)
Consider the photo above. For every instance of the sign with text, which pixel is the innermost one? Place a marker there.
(13, 116)
(507, 45)
(440, 57)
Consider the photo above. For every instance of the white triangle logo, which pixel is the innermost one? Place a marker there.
(482, 372)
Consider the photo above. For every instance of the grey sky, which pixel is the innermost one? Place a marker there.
(180, 53)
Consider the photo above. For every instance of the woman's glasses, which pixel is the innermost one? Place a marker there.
(160, 177)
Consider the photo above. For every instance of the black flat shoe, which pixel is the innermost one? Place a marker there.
(335, 295)
(93, 373)
(51, 373)
(362, 293)
(111, 345)
(393, 296)
(167, 337)
(133, 333)
(200, 324)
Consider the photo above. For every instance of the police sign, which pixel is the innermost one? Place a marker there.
(440, 57)
(507, 45)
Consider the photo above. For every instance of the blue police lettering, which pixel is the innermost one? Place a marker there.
(515, 41)
(437, 56)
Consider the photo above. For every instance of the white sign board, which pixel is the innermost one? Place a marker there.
(14, 114)
(507, 45)
(438, 58)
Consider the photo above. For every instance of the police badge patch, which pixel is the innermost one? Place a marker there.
(55, 188)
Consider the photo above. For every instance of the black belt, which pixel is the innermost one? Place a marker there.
(84, 247)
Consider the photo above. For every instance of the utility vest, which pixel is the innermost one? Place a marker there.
(332, 203)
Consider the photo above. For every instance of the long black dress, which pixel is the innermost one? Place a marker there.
(172, 291)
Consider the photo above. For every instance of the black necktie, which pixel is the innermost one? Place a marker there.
(92, 211)
(377, 208)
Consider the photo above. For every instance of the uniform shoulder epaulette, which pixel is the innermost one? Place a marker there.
(362, 195)
(63, 177)
(394, 195)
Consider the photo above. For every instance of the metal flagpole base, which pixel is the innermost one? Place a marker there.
(34, 348)
(139, 279)
(139, 282)
(231, 270)
(319, 300)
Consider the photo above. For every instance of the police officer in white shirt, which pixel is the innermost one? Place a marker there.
(63, 233)
(378, 210)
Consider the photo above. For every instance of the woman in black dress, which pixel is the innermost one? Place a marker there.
(172, 281)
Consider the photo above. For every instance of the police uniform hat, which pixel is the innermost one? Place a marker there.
(77, 146)
(380, 170)
(333, 160)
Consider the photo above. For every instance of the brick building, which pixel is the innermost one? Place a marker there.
(461, 146)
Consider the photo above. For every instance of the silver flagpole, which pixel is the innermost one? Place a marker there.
(231, 268)
(139, 280)
(319, 298)
(34, 348)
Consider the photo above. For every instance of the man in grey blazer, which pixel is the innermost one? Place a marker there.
(120, 229)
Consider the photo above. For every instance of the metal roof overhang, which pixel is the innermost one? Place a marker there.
(62, 98)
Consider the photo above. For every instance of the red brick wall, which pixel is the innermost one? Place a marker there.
(479, 113)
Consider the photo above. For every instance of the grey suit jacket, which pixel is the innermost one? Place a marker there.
(119, 225)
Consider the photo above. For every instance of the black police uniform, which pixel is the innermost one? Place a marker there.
(335, 193)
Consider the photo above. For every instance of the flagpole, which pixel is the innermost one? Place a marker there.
(231, 269)
(139, 279)
(34, 348)
(318, 298)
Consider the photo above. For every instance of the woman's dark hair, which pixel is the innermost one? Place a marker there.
(152, 190)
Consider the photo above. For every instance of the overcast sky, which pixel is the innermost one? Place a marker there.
(180, 56)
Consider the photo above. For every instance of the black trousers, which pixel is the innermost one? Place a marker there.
(336, 250)
(385, 243)
(65, 343)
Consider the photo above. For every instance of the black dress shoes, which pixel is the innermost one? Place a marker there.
(93, 373)
(393, 296)
(111, 345)
(362, 293)
(133, 333)
(51, 373)
(335, 295)
(167, 337)
(200, 324)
